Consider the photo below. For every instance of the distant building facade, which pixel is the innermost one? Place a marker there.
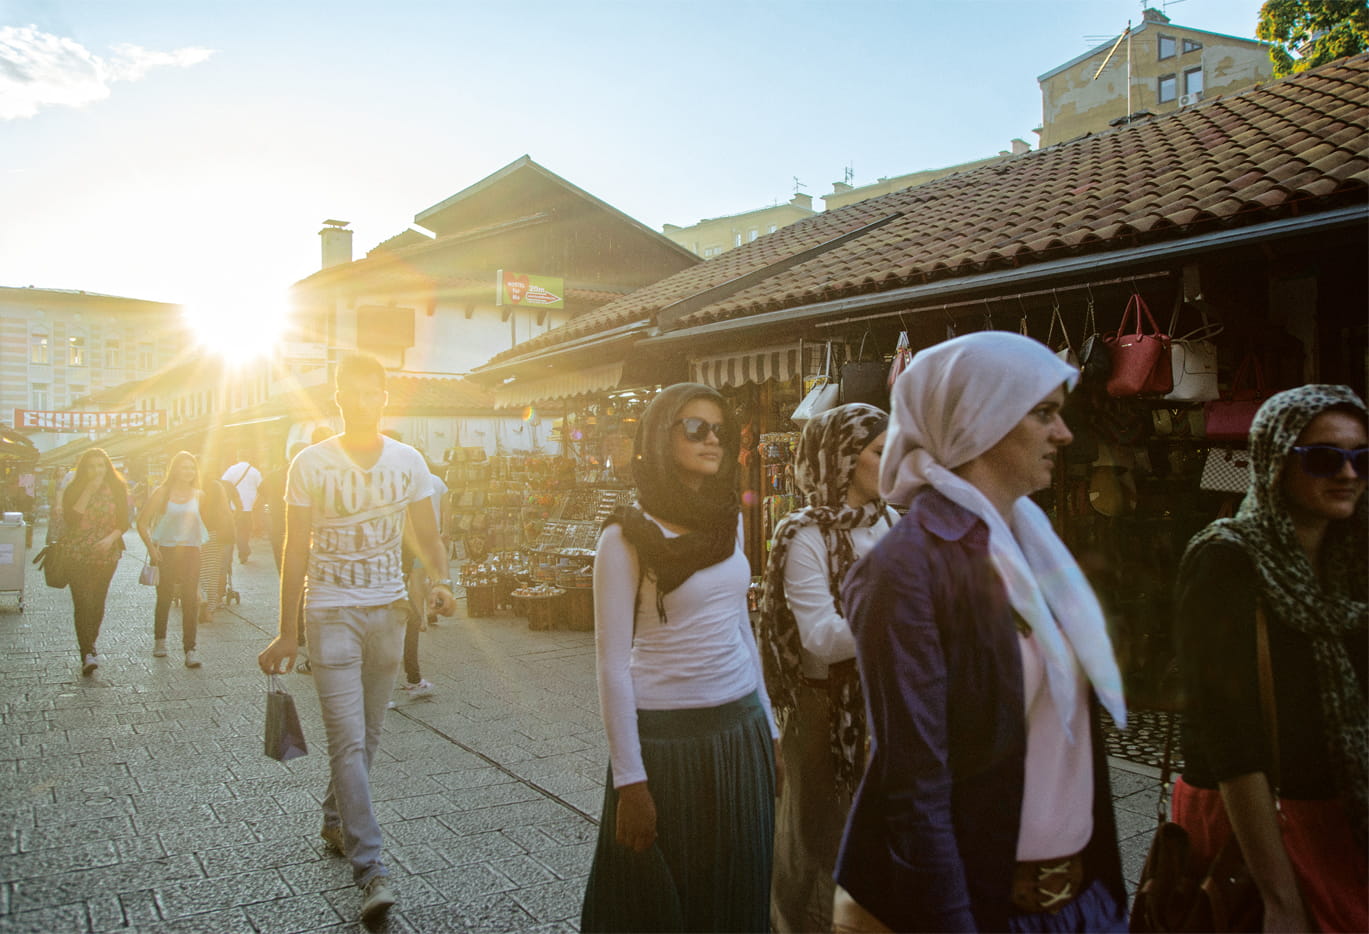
(59, 346)
(843, 193)
(712, 236)
(1170, 67)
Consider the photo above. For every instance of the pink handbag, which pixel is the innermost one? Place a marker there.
(1229, 419)
(1140, 359)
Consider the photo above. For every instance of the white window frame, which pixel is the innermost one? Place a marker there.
(1160, 47)
(40, 349)
(1173, 79)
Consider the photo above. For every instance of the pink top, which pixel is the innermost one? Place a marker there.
(1057, 795)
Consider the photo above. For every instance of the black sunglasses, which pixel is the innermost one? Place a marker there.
(697, 429)
(1325, 460)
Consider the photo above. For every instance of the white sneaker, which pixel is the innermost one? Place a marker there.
(422, 689)
(192, 659)
(377, 897)
(92, 662)
(159, 649)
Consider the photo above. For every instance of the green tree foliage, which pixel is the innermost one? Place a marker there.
(1318, 31)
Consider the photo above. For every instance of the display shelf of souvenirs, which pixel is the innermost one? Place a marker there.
(542, 603)
(780, 497)
(489, 584)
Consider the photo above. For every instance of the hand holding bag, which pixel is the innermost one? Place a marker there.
(1193, 361)
(284, 735)
(1229, 419)
(150, 575)
(1140, 359)
(821, 393)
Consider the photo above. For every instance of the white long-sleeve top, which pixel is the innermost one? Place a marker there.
(704, 656)
(824, 634)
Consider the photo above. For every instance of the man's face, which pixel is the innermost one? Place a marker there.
(362, 401)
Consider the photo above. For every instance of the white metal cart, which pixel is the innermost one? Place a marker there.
(13, 555)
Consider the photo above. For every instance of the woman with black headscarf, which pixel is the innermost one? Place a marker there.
(685, 840)
(1296, 550)
(809, 653)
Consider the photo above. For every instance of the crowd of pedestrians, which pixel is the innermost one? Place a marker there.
(908, 740)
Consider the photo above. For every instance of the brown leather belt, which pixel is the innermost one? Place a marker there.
(1047, 884)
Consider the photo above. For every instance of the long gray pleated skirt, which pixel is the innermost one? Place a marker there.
(711, 773)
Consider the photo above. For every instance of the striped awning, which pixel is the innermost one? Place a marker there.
(561, 386)
(752, 366)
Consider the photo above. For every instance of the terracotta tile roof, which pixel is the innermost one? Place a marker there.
(1293, 146)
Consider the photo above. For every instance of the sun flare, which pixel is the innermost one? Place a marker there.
(239, 330)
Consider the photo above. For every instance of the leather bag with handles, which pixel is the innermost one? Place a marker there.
(1193, 360)
(865, 380)
(821, 393)
(1229, 419)
(1140, 358)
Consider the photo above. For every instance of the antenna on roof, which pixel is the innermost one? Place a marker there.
(798, 184)
(850, 173)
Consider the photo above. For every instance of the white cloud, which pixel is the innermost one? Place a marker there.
(38, 69)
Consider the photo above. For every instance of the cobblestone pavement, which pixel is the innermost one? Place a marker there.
(139, 799)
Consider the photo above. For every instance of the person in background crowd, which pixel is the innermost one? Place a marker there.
(216, 557)
(809, 653)
(685, 840)
(1296, 550)
(95, 505)
(172, 527)
(349, 500)
(985, 805)
(245, 479)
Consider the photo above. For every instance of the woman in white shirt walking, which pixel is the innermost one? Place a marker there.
(172, 527)
(809, 653)
(685, 840)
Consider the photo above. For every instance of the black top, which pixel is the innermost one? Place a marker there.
(1223, 736)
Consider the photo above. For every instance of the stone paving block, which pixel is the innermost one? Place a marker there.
(56, 834)
(478, 848)
(324, 874)
(292, 914)
(225, 921)
(66, 887)
(417, 858)
(57, 859)
(70, 917)
(567, 862)
(505, 815)
(471, 881)
(389, 783)
(200, 838)
(470, 799)
(430, 830)
(471, 778)
(569, 832)
(1142, 802)
(231, 860)
(248, 809)
(173, 811)
(523, 870)
(1130, 823)
(553, 901)
(180, 899)
(141, 848)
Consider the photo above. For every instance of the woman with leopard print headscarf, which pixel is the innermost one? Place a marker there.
(809, 654)
(1296, 549)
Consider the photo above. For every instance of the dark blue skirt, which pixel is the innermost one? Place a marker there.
(711, 772)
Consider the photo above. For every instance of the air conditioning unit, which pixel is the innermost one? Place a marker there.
(1187, 99)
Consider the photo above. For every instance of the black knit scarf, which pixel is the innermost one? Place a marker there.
(709, 513)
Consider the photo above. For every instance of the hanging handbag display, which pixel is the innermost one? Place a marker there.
(820, 393)
(864, 380)
(1226, 470)
(1095, 360)
(1065, 353)
(1172, 895)
(284, 739)
(903, 355)
(1229, 419)
(1140, 358)
(1193, 360)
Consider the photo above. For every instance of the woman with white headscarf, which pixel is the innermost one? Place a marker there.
(985, 804)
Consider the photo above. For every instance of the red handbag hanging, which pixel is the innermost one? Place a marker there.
(1140, 359)
(1229, 419)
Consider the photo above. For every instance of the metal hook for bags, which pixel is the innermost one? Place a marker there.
(988, 317)
(950, 322)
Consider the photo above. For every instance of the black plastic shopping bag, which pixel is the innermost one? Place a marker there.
(284, 736)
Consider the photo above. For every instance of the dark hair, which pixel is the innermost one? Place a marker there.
(358, 366)
(114, 482)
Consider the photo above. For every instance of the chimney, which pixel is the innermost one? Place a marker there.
(800, 200)
(1020, 147)
(1153, 16)
(840, 188)
(337, 243)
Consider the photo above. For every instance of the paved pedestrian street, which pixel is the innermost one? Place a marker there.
(139, 799)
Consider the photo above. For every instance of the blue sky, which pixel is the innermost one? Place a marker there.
(187, 150)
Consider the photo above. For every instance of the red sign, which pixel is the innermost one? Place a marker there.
(137, 420)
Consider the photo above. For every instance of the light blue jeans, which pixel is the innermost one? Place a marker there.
(355, 653)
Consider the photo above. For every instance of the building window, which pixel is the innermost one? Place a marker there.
(752, 234)
(1167, 47)
(76, 351)
(1169, 88)
(1193, 81)
(74, 393)
(737, 239)
(144, 357)
(38, 396)
(1191, 46)
(112, 355)
(38, 350)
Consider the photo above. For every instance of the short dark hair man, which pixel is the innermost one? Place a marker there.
(348, 500)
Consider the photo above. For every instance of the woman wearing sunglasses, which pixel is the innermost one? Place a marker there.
(685, 840)
(809, 654)
(985, 805)
(1296, 550)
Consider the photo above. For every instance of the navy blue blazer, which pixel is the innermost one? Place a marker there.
(931, 840)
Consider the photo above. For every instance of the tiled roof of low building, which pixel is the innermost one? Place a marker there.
(1292, 146)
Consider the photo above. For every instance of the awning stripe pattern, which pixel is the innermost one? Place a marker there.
(562, 386)
(753, 366)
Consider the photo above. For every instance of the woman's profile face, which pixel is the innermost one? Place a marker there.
(697, 460)
(1325, 498)
(865, 478)
(1023, 462)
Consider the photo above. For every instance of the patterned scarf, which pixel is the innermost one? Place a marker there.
(826, 460)
(1325, 608)
(710, 513)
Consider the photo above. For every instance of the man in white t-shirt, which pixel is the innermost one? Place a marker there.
(244, 478)
(348, 500)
